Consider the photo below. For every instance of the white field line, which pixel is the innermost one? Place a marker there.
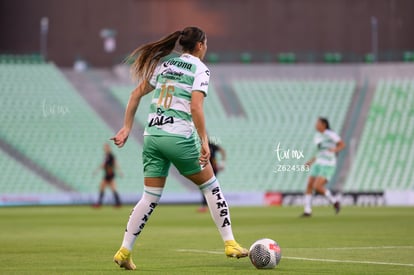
(356, 247)
(199, 251)
(346, 261)
(320, 260)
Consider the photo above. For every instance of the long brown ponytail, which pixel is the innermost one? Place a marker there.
(148, 56)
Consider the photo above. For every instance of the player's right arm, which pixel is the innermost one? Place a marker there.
(197, 113)
(142, 89)
(198, 93)
(311, 161)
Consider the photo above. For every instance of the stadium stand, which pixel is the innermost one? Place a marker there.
(385, 154)
(45, 119)
(271, 117)
(16, 179)
(21, 59)
(248, 112)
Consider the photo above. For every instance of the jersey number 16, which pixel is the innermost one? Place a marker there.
(166, 96)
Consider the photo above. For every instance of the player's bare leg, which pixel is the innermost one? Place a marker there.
(320, 183)
(112, 185)
(307, 212)
(102, 187)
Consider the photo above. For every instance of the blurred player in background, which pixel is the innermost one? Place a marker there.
(323, 165)
(175, 132)
(109, 166)
(217, 167)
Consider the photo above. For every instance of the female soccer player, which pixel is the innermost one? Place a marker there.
(323, 165)
(175, 132)
(109, 166)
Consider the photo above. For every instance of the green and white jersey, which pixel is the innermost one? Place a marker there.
(174, 81)
(325, 141)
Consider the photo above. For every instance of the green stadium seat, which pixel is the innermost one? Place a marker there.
(16, 179)
(408, 56)
(286, 58)
(246, 57)
(369, 58)
(21, 59)
(213, 57)
(386, 148)
(332, 57)
(49, 122)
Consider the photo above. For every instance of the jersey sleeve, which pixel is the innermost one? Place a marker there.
(317, 138)
(201, 81)
(334, 136)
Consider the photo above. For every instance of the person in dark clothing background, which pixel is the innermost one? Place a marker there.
(217, 167)
(110, 167)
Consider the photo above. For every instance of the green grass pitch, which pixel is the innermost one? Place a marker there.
(178, 240)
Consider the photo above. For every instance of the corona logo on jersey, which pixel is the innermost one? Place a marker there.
(179, 64)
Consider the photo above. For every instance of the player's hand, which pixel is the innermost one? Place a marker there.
(204, 154)
(309, 163)
(121, 137)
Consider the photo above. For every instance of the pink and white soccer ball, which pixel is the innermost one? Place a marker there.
(265, 254)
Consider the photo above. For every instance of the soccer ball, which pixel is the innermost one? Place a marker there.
(265, 254)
